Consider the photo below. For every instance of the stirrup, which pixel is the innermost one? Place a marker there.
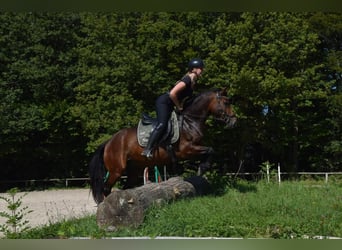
(147, 153)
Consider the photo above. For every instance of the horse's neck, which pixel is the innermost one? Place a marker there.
(193, 128)
(194, 118)
(198, 110)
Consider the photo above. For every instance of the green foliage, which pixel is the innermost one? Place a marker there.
(218, 183)
(66, 229)
(15, 224)
(68, 81)
(248, 210)
(36, 88)
(251, 210)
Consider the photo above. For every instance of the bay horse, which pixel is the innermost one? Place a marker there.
(122, 153)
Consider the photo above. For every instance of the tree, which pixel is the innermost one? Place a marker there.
(36, 88)
(104, 102)
(329, 29)
(68, 81)
(272, 61)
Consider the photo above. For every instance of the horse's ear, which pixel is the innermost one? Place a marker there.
(224, 91)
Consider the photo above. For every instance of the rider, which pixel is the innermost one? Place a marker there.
(166, 102)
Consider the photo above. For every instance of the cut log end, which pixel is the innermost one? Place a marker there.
(120, 209)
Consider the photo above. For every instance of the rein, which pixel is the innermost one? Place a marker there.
(204, 116)
(224, 116)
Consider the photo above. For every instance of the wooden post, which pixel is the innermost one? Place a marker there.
(145, 175)
(268, 172)
(165, 178)
(279, 178)
(157, 176)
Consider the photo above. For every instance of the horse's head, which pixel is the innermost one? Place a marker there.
(221, 108)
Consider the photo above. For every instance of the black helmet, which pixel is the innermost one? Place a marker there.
(196, 63)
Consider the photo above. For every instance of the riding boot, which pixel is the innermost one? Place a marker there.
(152, 141)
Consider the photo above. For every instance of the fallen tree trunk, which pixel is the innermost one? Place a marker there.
(125, 208)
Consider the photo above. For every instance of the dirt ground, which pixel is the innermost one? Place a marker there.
(54, 205)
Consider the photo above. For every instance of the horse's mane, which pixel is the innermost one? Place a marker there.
(189, 102)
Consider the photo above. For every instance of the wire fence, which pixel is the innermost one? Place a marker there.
(84, 181)
(280, 176)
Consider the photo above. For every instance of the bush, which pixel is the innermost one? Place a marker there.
(16, 223)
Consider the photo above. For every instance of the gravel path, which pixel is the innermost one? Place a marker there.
(54, 205)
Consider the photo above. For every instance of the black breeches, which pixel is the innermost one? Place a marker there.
(164, 108)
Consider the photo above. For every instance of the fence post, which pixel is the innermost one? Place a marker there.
(279, 178)
(165, 178)
(157, 176)
(145, 175)
(326, 178)
(268, 172)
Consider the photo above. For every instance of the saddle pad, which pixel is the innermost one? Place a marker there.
(144, 131)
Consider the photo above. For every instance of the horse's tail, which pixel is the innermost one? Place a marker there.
(97, 172)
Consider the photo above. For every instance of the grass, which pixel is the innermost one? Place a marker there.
(246, 209)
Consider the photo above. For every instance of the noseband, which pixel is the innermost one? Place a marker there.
(222, 115)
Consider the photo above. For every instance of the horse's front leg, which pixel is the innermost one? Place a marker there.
(202, 153)
(205, 161)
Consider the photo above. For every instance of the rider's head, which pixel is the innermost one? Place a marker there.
(195, 63)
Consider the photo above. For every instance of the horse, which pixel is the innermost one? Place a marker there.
(122, 153)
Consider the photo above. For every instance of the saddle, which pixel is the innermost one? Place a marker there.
(148, 123)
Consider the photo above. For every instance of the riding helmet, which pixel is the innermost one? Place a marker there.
(196, 63)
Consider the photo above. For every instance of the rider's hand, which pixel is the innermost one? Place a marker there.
(179, 110)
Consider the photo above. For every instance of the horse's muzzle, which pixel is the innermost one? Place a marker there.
(230, 121)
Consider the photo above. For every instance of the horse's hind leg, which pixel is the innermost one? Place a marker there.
(114, 175)
(133, 176)
(115, 163)
(107, 189)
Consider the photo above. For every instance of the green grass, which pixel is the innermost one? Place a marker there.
(248, 210)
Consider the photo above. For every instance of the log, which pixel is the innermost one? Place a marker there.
(125, 208)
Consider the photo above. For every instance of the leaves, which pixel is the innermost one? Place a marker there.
(68, 81)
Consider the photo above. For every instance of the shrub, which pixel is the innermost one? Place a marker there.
(15, 223)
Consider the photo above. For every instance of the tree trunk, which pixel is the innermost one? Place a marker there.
(125, 208)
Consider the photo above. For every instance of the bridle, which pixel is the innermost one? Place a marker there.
(222, 116)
